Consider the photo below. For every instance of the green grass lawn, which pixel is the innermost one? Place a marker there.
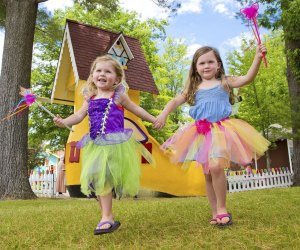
(264, 219)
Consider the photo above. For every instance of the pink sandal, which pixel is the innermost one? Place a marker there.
(221, 216)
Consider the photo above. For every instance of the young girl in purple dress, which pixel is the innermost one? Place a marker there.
(111, 156)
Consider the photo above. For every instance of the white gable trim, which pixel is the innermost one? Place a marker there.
(72, 56)
(128, 51)
(67, 39)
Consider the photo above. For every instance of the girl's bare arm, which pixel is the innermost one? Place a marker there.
(170, 107)
(126, 102)
(239, 81)
(72, 119)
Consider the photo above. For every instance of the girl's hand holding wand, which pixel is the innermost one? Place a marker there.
(59, 122)
(261, 50)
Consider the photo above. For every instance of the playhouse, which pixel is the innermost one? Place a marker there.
(80, 46)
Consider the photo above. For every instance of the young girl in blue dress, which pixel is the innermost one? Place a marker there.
(111, 156)
(214, 140)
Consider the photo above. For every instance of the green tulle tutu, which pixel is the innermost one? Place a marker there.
(115, 166)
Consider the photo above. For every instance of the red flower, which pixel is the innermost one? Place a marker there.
(203, 126)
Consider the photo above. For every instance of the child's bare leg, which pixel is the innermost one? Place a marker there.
(211, 195)
(105, 203)
(220, 187)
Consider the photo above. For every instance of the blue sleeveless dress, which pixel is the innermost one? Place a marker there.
(211, 104)
(214, 139)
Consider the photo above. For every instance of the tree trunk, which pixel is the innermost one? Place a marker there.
(294, 90)
(16, 71)
(296, 162)
(292, 45)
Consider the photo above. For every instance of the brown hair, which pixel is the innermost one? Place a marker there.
(194, 79)
(90, 87)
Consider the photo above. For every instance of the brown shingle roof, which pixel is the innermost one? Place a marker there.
(89, 42)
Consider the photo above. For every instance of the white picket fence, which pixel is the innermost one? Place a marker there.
(43, 184)
(242, 181)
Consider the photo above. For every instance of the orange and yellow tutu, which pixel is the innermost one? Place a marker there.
(222, 142)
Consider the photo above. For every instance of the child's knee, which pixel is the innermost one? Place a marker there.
(216, 166)
(216, 169)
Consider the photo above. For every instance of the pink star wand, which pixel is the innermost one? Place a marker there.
(28, 98)
(251, 13)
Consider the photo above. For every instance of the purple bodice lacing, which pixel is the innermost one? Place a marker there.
(106, 120)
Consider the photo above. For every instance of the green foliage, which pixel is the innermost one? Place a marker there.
(284, 14)
(2, 13)
(265, 101)
(169, 77)
(36, 157)
(48, 36)
(287, 17)
(41, 126)
(103, 7)
(271, 18)
(291, 19)
(169, 6)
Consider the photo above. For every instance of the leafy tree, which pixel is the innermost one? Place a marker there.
(170, 6)
(169, 76)
(2, 13)
(41, 127)
(285, 14)
(20, 17)
(104, 8)
(265, 100)
(36, 157)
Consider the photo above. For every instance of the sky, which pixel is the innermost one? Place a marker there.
(198, 22)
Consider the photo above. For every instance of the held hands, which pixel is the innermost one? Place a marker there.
(160, 122)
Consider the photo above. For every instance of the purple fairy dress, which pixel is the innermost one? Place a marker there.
(111, 156)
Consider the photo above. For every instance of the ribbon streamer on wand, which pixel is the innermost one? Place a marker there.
(28, 98)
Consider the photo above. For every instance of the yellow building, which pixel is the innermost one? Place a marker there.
(81, 45)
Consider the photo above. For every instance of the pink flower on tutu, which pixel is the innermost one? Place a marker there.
(203, 126)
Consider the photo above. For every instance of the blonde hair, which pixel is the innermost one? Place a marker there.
(90, 88)
(194, 79)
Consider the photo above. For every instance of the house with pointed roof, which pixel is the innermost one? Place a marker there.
(80, 46)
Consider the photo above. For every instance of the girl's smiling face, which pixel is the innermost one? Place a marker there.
(104, 76)
(207, 66)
